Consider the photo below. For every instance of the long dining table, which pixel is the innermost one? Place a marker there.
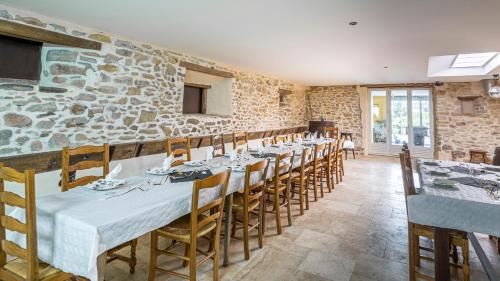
(469, 200)
(76, 228)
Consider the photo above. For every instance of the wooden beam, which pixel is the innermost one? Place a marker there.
(27, 32)
(197, 85)
(403, 85)
(207, 70)
(50, 161)
(285, 92)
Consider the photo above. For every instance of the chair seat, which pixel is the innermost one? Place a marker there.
(45, 271)
(428, 232)
(272, 190)
(295, 175)
(238, 204)
(180, 229)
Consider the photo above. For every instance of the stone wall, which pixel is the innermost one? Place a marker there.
(129, 91)
(340, 104)
(457, 133)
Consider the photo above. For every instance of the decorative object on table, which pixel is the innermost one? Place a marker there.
(280, 185)
(179, 149)
(26, 265)
(66, 168)
(415, 231)
(186, 230)
(164, 169)
(245, 204)
(348, 144)
(478, 156)
(240, 141)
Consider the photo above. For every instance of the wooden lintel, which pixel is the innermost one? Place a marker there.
(27, 32)
(402, 85)
(50, 161)
(285, 92)
(468, 97)
(202, 86)
(206, 70)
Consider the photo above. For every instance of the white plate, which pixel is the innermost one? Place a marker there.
(157, 172)
(103, 185)
(444, 183)
(195, 163)
(439, 171)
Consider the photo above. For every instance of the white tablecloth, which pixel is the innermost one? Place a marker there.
(76, 226)
(464, 207)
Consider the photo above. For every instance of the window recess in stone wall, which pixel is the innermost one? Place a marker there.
(283, 96)
(207, 93)
(471, 105)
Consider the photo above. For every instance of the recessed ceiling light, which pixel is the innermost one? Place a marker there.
(353, 23)
(386, 67)
(473, 60)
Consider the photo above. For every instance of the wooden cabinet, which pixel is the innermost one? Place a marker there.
(319, 126)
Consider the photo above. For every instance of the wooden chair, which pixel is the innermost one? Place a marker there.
(496, 158)
(202, 221)
(346, 135)
(315, 169)
(478, 156)
(26, 265)
(179, 147)
(415, 231)
(300, 180)
(279, 139)
(267, 141)
(217, 142)
(280, 183)
(77, 159)
(331, 132)
(339, 168)
(250, 202)
(240, 140)
(328, 167)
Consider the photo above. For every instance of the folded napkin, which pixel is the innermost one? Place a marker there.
(114, 173)
(167, 163)
(299, 140)
(209, 154)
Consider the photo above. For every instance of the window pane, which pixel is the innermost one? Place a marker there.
(421, 117)
(399, 116)
(379, 116)
(192, 102)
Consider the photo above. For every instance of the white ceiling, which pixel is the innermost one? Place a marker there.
(305, 41)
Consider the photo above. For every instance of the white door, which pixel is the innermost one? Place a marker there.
(398, 117)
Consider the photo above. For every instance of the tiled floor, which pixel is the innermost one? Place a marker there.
(357, 232)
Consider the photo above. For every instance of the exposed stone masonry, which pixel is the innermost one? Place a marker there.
(340, 104)
(457, 133)
(128, 91)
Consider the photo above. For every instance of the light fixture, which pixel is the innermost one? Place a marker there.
(473, 60)
(492, 87)
(353, 23)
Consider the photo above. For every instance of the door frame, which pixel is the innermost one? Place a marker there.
(389, 149)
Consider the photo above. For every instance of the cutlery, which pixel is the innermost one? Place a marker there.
(120, 194)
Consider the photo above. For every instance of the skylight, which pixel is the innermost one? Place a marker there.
(473, 60)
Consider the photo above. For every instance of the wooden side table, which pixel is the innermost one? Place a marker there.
(477, 154)
(345, 135)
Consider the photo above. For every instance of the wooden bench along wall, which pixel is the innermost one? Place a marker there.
(51, 160)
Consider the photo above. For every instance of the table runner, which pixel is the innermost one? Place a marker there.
(464, 207)
(76, 226)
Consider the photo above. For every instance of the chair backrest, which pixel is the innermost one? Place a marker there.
(304, 162)
(267, 141)
(331, 132)
(496, 158)
(331, 151)
(255, 191)
(280, 139)
(283, 167)
(216, 206)
(340, 148)
(83, 158)
(407, 172)
(8, 248)
(179, 147)
(319, 148)
(217, 142)
(240, 140)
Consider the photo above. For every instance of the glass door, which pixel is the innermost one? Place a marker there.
(398, 117)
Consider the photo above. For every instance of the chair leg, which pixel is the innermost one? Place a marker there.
(337, 174)
(153, 256)
(321, 179)
(301, 198)
(328, 179)
(411, 253)
(342, 164)
(133, 259)
(277, 212)
(186, 254)
(288, 205)
(345, 152)
(260, 232)
(315, 187)
(417, 249)
(454, 254)
(215, 276)
(465, 255)
(192, 262)
(353, 154)
(264, 211)
(307, 192)
(245, 235)
(233, 227)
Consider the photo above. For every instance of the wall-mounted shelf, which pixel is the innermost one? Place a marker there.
(27, 32)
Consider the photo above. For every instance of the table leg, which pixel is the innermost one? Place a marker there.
(442, 254)
(101, 265)
(227, 227)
